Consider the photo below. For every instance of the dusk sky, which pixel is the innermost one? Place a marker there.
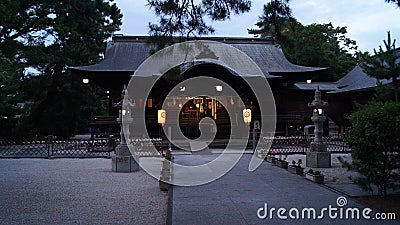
(367, 20)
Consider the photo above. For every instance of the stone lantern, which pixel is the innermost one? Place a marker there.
(318, 156)
(124, 161)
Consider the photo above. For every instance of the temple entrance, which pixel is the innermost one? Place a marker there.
(198, 108)
(193, 109)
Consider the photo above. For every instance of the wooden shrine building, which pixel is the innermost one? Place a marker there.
(291, 85)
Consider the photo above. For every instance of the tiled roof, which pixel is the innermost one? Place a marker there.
(126, 53)
(270, 58)
(356, 80)
(120, 56)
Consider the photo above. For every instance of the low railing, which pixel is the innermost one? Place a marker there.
(73, 148)
(301, 144)
(144, 147)
(80, 148)
(53, 148)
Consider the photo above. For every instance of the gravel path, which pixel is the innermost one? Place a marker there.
(77, 191)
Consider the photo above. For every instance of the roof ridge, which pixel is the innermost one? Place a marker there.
(238, 40)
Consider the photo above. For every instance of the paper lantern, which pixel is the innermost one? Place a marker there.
(247, 116)
(162, 115)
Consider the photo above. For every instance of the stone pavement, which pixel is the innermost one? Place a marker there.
(237, 196)
(85, 191)
(77, 191)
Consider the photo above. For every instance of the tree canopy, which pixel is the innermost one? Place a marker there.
(319, 45)
(276, 16)
(396, 2)
(384, 64)
(42, 38)
(185, 18)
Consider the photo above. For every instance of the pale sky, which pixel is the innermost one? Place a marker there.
(367, 21)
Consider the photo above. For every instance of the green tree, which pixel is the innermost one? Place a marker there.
(276, 17)
(374, 137)
(46, 37)
(10, 73)
(19, 20)
(384, 64)
(185, 18)
(383, 93)
(321, 45)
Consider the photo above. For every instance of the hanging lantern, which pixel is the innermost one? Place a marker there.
(247, 116)
(162, 115)
(149, 102)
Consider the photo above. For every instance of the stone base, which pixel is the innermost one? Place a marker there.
(164, 186)
(318, 147)
(123, 161)
(318, 159)
(124, 164)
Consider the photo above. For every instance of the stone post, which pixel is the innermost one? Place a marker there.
(318, 156)
(124, 161)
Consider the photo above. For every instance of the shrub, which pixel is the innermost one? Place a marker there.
(374, 137)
